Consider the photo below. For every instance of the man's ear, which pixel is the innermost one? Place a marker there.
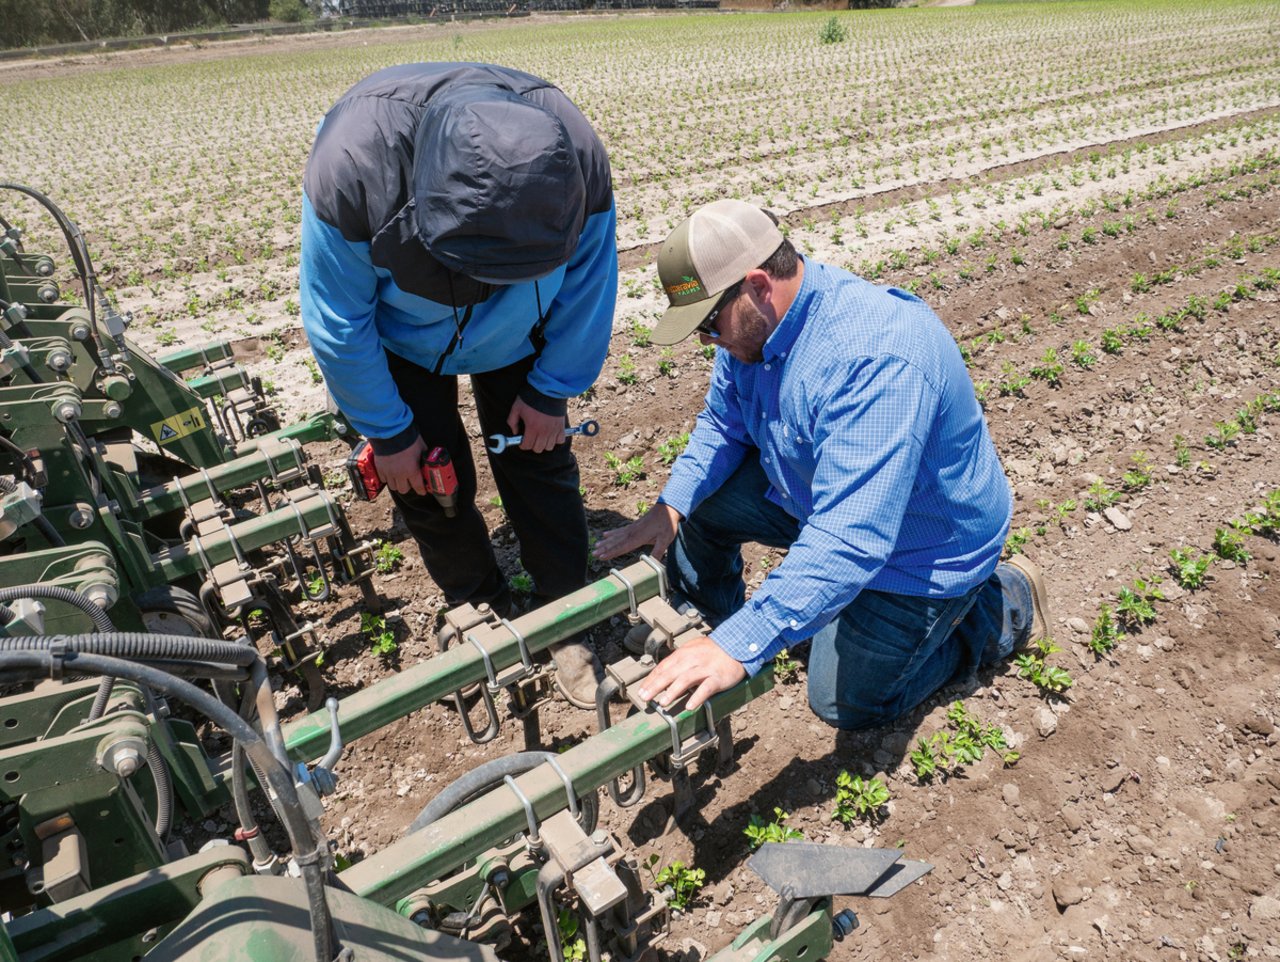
(760, 283)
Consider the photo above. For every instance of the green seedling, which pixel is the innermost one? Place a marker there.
(1112, 341)
(387, 558)
(1106, 632)
(1181, 451)
(1016, 541)
(572, 945)
(1050, 679)
(758, 831)
(1063, 511)
(858, 798)
(382, 640)
(315, 585)
(1082, 354)
(641, 334)
(625, 473)
(521, 583)
(666, 362)
(963, 743)
(833, 31)
(1135, 605)
(1139, 476)
(1100, 497)
(672, 448)
(1227, 431)
(683, 882)
(1189, 567)
(1049, 369)
(1013, 382)
(1229, 546)
(785, 668)
(627, 373)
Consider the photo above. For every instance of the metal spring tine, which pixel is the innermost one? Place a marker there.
(490, 733)
(623, 799)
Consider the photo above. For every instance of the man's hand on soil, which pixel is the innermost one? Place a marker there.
(700, 666)
(542, 432)
(657, 528)
(402, 471)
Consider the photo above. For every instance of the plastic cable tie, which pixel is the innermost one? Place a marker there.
(243, 835)
(58, 652)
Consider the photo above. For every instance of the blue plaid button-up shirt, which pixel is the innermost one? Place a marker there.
(864, 419)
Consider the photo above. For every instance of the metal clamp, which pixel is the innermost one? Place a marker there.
(631, 589)
(683, 753)
(568, 786)
(534, 839)
(662, 577)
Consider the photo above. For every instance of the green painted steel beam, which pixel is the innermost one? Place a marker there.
(462, 665)
(467, 832)
(318, 427)
(270, 461)
(187, 358)
(219, 382)
(309, 515)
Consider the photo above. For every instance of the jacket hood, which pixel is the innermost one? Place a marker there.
(498, 191)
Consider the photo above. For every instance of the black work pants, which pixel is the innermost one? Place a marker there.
(540, 492)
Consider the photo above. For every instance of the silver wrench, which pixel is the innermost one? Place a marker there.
(500, 442)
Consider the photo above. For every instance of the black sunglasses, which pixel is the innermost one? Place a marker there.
(707, 326)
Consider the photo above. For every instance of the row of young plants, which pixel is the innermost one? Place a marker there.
(1082, 354)
(1015, 199)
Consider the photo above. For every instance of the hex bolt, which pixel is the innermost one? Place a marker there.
(126, 761)
(80, 331)
(58, 360)
(81, 516)
(65, 410)
(112, 409)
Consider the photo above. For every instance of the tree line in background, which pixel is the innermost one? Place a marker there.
(26, 23)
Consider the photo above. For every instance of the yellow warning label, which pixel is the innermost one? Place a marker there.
(178, 426)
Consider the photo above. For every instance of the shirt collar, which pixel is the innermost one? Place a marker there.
(788, 329)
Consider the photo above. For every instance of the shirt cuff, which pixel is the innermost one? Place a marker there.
(396, 443)
(543, 403)
(747, 636)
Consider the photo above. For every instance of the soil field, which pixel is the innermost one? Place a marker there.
(1089, 196)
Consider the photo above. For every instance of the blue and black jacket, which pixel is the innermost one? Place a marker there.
(460, 216)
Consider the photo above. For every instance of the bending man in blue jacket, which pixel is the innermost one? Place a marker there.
(458, 219)
(840, 424)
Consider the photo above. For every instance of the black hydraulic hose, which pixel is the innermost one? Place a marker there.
(137, 645)
(479, 780)
(101, 698)
(101, 620)
(308, 850)
(164, 789)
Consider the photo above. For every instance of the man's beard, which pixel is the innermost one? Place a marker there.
(753, 328)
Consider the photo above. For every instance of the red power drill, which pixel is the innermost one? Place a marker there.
(437, 472)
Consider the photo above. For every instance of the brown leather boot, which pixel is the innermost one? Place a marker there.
(578, 673)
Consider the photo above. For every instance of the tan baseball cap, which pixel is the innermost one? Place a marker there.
(705, 256)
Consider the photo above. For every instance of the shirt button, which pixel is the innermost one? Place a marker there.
(794, 623)
(753, 648)
(768, 367)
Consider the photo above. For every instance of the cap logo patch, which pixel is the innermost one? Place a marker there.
(687, 286)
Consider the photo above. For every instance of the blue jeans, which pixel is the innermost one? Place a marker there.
(883, 654)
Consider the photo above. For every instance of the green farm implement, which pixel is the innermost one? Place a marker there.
(175, 468)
